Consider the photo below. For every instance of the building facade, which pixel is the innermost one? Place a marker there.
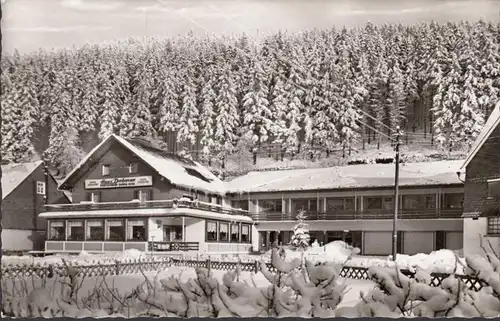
(26, 187)
(482, 189)
(356, 204)
(128, 194)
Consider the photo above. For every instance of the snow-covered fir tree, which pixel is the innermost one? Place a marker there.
(226, 120)
(256, 113)
(300, 238)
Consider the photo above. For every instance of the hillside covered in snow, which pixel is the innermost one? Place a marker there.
(320, 94)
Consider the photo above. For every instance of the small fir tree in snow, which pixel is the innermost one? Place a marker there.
(300, 237)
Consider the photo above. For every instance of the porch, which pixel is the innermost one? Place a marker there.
(185, 228)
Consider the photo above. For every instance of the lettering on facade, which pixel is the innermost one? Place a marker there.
(119, 182)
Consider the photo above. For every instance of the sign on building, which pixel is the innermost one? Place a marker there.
(118, 182)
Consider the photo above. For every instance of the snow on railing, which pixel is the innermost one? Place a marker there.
(180, 203)
(135, 266)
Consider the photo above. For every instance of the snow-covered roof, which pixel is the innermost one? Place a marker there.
(491, 124)
(181, 172)
(352, 176)
(14, 174)
(147, 212)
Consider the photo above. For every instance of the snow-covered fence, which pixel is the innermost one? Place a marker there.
(349, 272)
(130, 266)
(134, 266)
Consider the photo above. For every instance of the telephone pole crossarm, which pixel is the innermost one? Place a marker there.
(398, 135)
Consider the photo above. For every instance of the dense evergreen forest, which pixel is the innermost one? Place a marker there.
(325, 88)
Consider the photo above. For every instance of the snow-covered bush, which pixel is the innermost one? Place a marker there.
(300, 238)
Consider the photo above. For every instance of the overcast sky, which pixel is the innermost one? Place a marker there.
(31, 24)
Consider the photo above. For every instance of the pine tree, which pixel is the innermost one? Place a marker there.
(256, 113)
(300, 238)
(207, 115)
(136, 121)
(168, 111)
(227, 118)
(188, 120)
(395, 100)
(278, 108)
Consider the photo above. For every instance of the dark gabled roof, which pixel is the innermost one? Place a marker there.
(14, 174)
(179, 171)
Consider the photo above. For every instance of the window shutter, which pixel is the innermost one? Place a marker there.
(136, 195)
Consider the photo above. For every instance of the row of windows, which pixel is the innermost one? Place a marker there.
(143, 195)
(97, 230)
(409, 202)
(228, 232)
(133, 168)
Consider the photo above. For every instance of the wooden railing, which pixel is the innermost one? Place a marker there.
(182, 203)
(173, 246)
(362, 215)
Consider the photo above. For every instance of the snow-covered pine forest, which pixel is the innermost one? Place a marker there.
(302, 90)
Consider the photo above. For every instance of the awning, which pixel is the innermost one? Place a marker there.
(144, 212)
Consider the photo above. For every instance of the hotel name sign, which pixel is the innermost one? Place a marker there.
(118, 182)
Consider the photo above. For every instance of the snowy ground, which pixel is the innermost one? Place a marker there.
(409, 153)
(125, 284)
(442, 261)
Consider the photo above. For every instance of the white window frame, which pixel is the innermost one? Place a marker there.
(103, 167)
(92, 197)
(494, 180)
(131, 166)
(40, 188)
(496, 221)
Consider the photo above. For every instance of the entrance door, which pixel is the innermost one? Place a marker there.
(172, 233)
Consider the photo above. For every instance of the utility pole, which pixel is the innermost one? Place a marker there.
(396, 198)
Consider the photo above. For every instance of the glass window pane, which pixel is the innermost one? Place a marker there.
(211, 231)
(224, 231)
(95, 231)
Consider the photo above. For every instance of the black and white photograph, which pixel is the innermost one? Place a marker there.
(250, 158)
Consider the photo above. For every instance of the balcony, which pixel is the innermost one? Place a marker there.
(136, 204)
(360, 215)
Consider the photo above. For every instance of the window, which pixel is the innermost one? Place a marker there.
(40, 188)
(240, 204)
(95, 231)
(172, 233)
(430, 201)
(76, 231)
(105, 170)
(339, 204)
(270, 206)
(308, 205)
(379, 203)
(411, 202)
(133, 168)
(56, 231)
(493, 188)
(235, 232)
(416, 202)
(115, 230)
(94, 197)
(143, 195)
(373, 203)
(136, 230)
(211, 231)
(493, 225)
(223, 231)
(245, 233)
(452, 200)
